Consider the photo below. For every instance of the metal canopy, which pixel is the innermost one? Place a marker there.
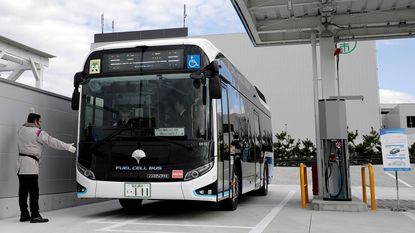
(275, 22)
(16, 58)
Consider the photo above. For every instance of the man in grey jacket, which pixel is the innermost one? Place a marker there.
(31, 139)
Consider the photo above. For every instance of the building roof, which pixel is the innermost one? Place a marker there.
(25, 47)
(293, 21)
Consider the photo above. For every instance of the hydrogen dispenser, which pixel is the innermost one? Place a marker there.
(334, 146)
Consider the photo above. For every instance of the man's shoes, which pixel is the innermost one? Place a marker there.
(24, 218)
(39, 220)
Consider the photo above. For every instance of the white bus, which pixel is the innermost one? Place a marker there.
(169, 119)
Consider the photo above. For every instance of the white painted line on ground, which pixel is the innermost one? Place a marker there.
(102, 219)
(409, 215)
(132, 231)
(403, 182)
(116, 225)
(178, 225)
(260, 227)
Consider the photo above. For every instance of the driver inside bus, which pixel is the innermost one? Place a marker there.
(182, 116)
(124, 119)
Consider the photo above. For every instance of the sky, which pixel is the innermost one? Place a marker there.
(66, 28)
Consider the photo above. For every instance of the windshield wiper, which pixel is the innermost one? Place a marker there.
(187, 146)
(109, 137)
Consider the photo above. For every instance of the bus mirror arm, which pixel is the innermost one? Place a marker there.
(77, 80)
(198, 75)
(211, 72)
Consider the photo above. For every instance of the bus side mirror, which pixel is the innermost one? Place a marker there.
(75, 99)
(215, 87)
(77, 79)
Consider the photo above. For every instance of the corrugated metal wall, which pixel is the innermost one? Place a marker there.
(57, 168)
(284, 75)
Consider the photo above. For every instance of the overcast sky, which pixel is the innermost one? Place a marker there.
(65, 29)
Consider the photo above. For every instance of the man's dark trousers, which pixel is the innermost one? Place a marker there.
(28, 186)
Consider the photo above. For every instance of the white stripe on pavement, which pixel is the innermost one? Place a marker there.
(260, 227)
(403, 182)
(409, 215)
(132, 231)
(172, 225)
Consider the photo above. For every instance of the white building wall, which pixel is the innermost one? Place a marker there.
(404, 111)
(284, 75)
(393, 120)
(396, 118)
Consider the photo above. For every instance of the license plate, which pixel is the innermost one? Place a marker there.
(137, 190)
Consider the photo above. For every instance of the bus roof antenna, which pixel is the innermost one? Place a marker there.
(102, 23)
(184, 15)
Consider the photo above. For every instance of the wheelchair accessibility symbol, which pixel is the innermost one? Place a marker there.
(193, 61)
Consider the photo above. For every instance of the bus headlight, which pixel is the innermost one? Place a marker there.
(86, 172)
(193, 174)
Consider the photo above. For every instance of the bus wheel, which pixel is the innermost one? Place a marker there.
(263, 191)
(130, 204)
(232, 203)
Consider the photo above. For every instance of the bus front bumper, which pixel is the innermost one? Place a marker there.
(185, 190)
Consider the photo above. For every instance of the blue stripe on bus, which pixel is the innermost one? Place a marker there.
(211, 196)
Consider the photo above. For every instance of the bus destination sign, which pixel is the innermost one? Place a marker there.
(143, 61)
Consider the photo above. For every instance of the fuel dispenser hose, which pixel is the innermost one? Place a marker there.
(327, 176)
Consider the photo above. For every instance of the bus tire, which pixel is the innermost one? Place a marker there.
(232, 203)
(130, 204)
(263, 191)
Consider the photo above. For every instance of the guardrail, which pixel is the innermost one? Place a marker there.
(303, 185)
(372, 186)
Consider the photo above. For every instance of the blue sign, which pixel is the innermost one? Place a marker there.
(193, 61)
(395, 150)
(392, 131)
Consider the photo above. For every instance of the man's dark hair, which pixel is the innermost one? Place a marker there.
(33, 117)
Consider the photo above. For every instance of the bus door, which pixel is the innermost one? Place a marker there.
(256, 134)
(224, 161)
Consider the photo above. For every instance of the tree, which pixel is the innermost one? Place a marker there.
(351, 137)
(412, 152)
(291, 152)
(370, 149)
(308, 150)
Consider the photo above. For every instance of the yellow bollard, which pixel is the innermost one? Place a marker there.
(364, 185)
(303, 199)
(372, 187)
(305, 184)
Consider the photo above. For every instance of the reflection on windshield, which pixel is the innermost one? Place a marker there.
(167, 105)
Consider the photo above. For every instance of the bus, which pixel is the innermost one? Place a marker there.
(169, 119)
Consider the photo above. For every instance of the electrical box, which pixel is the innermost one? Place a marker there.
(333, 124)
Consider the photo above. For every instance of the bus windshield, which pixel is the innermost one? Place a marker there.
(143, 106)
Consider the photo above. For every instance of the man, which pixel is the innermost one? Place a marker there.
(182, 116)
(31, 139)
(125, 120)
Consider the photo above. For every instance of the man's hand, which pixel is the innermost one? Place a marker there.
(72, 149)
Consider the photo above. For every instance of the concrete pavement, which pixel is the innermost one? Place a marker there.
(280, 211)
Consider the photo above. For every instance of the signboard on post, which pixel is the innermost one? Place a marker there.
(395, 150)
